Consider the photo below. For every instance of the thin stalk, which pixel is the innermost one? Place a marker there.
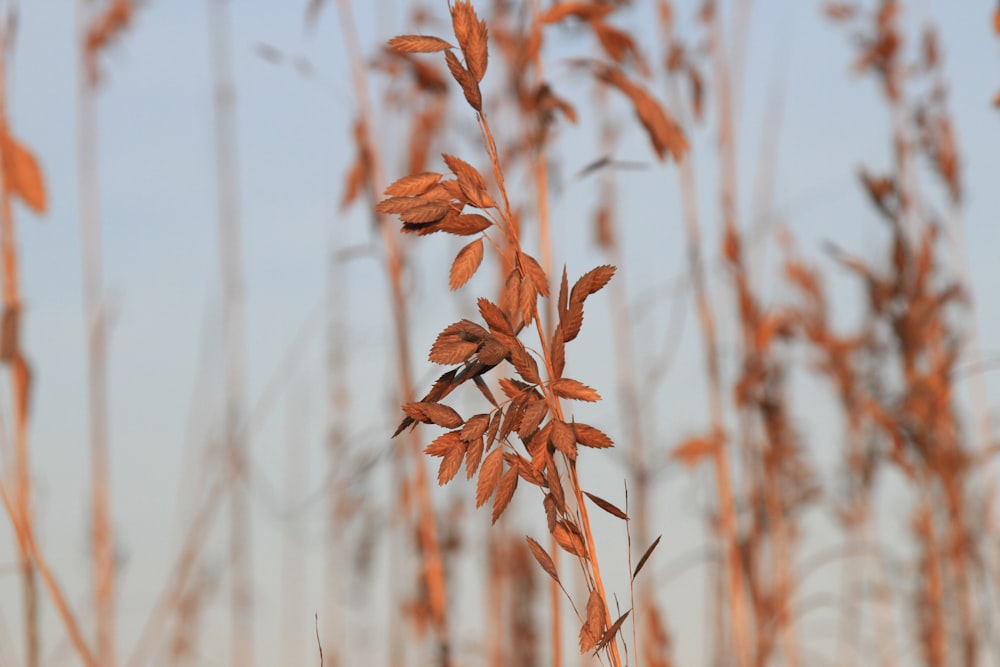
(731, 580)
(25, 535)
(433, 572)
(102, 538)
(511, 230)
(739, 610)
(541, 172)
(337, 409)
(20, 378)
(241, 604)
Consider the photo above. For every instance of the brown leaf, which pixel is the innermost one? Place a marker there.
(619, 45)
(581, 10)
(466, 80)
(356, 178)
(472, 37)
(475, 427)
(451, 463)
(533, 415)
(572, 389)
(527, 303)
(457, 343)
(494, 317)
(588, 436)
(489, 476)
(528, 473)
(543, 558)
(414, 185)
(525, 364)
(396, 205)
(492, 351)
(22, 175)
(514, 414)
(693, 450)
(612, 631)
(419, 44)
(470, 181)
(664, 134)
(607, 507)
(557, 352)
(433, 413)
(563, 293)
(466, 264)
(534, 272)
(473, 455)
(505, 491)
(562, 438)
(569, 538)
(466, 225)
(645, 557)
(491, 432)
(593, 626)
(444, 444)
(592, 282)
(429, 212)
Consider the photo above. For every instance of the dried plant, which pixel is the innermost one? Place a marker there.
(531, 409)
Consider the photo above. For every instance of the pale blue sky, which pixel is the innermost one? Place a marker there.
(158, 215)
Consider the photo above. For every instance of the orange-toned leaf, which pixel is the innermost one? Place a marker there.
(23, 176)
(475, 427)
(612, 631)
(494, 317)
(664, 134)
(569, 538)
(466, 264)
(563, 439)
(489, 476)
(592, 282)
(543, 558)
(533, 415)
(451, 463)
(419, 44)
(581, 10)
(413, 185)
(593, 626)
(525, 364)
(573, 389)
(534, 272)
(588, 436)
(356, 178)
(428, 212)
(470, 88)
(473, 456)
(397, 205)
(433, 413)
(451, 350)
(443, 444)
(693, 450)
(472, 37)
(557, 352)
(505, 491)
(610, 508)
(645, 557)
(492, 351)
(466, 225)
(470, 181)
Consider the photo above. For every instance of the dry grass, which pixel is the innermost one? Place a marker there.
(515, 367)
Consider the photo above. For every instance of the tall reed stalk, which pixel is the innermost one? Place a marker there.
(91, 27)
(241, 602)
(432, 576)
